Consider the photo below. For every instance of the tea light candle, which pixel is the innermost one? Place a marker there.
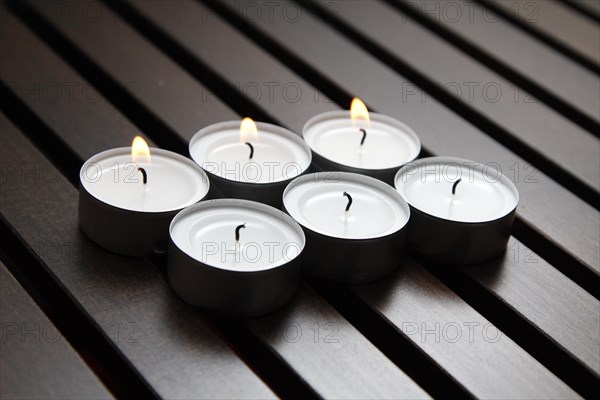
(235, 257)
(462, 211)
(354, 225)
(247, 160)
(358, 141)
(128, 197)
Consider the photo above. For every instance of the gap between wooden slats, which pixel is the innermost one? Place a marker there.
(36, 362)
(588, 8)
(547, 75)
(577, 37)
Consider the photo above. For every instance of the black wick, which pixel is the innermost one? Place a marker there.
(349, 201)
(144, 175)
(237, 231)
(454, 186)
(251, 149)
(362, 141)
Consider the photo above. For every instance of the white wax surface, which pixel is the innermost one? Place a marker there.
(388, 144)
(478, 197)
(174, 182)
(320, 205)
(206, 232)
(278, 154)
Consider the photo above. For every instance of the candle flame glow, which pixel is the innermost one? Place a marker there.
(359, 113)
(248, 131)
(140, 153)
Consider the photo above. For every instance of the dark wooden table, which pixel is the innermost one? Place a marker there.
(515, 83)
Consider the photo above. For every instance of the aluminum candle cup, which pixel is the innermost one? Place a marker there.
(250, 161)
(354, 225)
(123, 214)
(235, 257)
(462, 211)
(376, 146)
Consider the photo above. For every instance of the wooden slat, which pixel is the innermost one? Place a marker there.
(538, 126)
(235, 42)
(114, 291)
(542, 295)
(36, 362)
(149, 75)
(264, 79)
(556, 21)
(416, 302)
(329, 353)
(386, 380)
(191, 106)
(589, 6)
(48, 87)
(546, 303)
(515, 50)
(555, 213)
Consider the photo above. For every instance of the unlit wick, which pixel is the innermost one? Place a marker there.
(349, 201)
(364, 136)
(251, 150)
(454, 187)
(237, 231)
(144, 175)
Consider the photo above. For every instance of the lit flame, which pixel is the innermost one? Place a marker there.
(248, 131)
(140, 153)
(359, 113)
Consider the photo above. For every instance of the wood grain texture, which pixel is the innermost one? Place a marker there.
(463, 342)
(330, 354)
(116, 292)
(576, 31)
(389, 381)
(138, 65)
(535, 60)
(555, 305)
(42, 80)
(264, 80)
(177, 26)
(555, 213)
(36, 362)
(537, 125)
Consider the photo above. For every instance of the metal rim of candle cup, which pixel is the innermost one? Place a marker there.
(261, 126)
(125, 231)
(263, 192)
(430, 239)
(384, 174)
(331, 176)
(459, 161)
(153, 150)
(375, 245)
(215, 203)
(222, 290)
